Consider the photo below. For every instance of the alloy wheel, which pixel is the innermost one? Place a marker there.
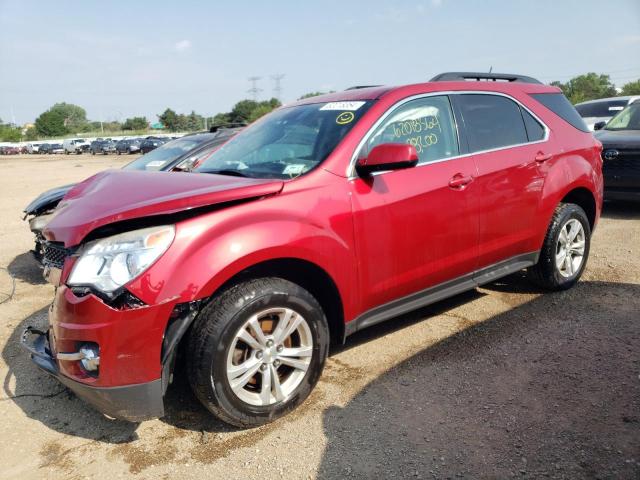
(269, 356)
(570, 248)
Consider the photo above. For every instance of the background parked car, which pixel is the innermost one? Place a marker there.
(102, 146)
(76, 145)
(10, 150)
(603, 109)
(621, 154)
(44, 148)
(127, 146)
(151, 143)
(33, 147)
(55, 148)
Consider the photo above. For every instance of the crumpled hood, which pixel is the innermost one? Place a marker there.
(47, 200)
(117, 195)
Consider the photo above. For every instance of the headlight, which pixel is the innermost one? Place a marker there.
(110, 263)
(37, 224)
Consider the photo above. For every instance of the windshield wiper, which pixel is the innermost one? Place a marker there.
(228, 171)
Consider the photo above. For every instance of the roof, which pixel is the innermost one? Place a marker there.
(374, 93)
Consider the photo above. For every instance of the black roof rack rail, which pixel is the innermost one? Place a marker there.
(222, 126)
(493, 77)
(357, 87)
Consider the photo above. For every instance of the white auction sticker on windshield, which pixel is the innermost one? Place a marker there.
(342, 106)
(155, 163)
(294, 169)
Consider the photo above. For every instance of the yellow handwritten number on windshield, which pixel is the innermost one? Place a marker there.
(344, 118)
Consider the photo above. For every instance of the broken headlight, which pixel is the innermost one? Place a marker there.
(109, 263)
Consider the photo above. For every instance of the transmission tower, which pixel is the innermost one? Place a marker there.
(254, 90)
(277, 86)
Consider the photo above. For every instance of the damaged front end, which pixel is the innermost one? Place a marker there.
(117, 354)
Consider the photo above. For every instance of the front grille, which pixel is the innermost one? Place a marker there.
(627, 161)
(54, 255)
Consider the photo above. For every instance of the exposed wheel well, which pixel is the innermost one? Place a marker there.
(310, 277)
(583, 198)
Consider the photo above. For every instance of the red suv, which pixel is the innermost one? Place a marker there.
(325, 217)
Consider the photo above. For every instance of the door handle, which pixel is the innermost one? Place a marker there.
(459, 181)
(543, 157)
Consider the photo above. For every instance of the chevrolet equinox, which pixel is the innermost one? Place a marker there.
(327, 216)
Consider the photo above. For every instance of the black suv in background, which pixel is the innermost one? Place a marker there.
(620, 139)
(151, 143)
(102, 146)
(130, 145)
(44, 148)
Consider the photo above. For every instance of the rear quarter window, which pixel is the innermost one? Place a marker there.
(535, 131)
(558, 104)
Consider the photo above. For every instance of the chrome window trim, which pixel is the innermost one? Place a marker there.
(351, 172)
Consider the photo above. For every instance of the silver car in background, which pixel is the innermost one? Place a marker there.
(603, 109)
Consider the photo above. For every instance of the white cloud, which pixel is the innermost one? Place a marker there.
(436, 3)
(182, 45)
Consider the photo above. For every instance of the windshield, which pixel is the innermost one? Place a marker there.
(606, 108)
(288, 142)
(628, 119)
(165, 154)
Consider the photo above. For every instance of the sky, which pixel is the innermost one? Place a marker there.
(120, 59)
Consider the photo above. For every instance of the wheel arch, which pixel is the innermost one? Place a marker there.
(584, 198)
(309, 276)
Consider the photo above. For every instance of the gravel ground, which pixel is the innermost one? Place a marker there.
(495, 383)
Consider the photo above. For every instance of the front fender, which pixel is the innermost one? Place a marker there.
(209, 250)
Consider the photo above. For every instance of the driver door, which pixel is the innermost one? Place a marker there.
(415, 228)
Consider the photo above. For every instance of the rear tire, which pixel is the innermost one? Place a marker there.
(565, 250)
(229, 361)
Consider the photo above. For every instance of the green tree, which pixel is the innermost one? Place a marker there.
(135, 123)
(113, 126)
(631, 88)
(61, 119)
(10, 132)
(169, 119)
(51, 124)
(218, 119)
(587, 87)
(31, 134)
(314, 94)
(241, 111)
(194, 121)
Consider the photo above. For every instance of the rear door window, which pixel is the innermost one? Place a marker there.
(491, 121)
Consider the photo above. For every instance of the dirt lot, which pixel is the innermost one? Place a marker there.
(499, 382)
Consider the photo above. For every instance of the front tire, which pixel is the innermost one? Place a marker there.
(257, 350)
(565, 250)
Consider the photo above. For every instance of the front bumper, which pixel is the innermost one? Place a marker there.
(134, 403)
(136, 344)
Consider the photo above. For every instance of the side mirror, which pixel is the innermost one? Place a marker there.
(599, 125)
(387, 156)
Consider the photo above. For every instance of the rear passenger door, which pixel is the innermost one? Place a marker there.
(509, 146)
